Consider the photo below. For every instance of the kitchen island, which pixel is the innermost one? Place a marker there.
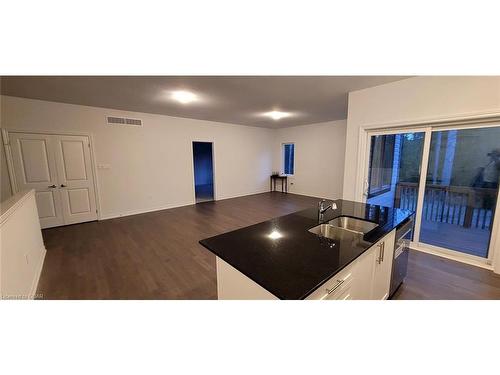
(283, 259)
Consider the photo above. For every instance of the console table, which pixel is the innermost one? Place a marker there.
(284, 183)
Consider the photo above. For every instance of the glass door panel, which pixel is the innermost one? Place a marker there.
(394, 169)
(461, 189)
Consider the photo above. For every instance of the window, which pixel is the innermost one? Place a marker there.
(381, 160)
(288, 158)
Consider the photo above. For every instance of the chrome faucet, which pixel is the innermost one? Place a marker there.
(322, 209)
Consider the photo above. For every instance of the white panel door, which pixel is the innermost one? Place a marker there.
(35, 168)
(76, 182)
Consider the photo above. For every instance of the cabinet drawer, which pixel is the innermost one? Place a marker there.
(335, 288)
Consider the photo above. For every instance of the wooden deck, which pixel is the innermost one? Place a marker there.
(473, 241)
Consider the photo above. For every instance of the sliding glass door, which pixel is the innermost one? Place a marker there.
(448, 176)
(461, 190)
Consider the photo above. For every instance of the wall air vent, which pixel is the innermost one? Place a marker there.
(113, 120)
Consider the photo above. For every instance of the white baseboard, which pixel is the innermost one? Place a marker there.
(143, 210)
(243, 194)
(469, 261)
(313, 195)
(169, 206)
(36, 279)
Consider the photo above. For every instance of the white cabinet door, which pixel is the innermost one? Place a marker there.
(384, 253)
(76, 182)
(35, 168)
(363, 275)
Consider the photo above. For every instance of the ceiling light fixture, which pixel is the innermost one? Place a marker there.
(277, 115)
(184, 97)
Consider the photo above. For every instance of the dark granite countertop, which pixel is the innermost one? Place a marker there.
(293, 266)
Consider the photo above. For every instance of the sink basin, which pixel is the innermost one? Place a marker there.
(352, 224)
(331, 232)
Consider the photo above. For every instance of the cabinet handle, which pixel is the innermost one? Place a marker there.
(62, 185)
(380, 258)
(52, 186)
(339, 283)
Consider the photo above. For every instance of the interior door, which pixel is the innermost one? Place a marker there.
(76, 183)
(35, 168)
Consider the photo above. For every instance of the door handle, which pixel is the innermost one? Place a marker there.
(52, 186)
(62, 185)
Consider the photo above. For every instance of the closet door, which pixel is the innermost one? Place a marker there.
(76, 182)
(35, 168)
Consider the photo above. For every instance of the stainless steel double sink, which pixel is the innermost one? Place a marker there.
(342, 225)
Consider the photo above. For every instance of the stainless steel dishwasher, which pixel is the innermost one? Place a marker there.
(404, 235)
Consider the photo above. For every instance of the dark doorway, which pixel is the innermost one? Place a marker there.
(203, 171)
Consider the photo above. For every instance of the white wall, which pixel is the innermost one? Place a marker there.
(151, 167)
(319, 158)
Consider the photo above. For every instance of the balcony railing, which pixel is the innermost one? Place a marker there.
(464, 206)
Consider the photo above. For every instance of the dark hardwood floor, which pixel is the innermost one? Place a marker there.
(154, 255)
(157, 256)
(433, 277)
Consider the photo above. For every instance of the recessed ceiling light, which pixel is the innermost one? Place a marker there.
(277, 115)
(184, 97)
(274, 235)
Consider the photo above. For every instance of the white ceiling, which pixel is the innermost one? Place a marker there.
(230, 99)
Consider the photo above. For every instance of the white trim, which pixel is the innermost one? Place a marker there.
(10, 162)
(9, 206)
(36, 279)
(260, 191)
(429, 249)
(169, 206)
(48, 132)
(139, 211)
(463, 118)
(95, 175)
(312, 195)
(494, 250)
(361, 164)
(424, 165)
